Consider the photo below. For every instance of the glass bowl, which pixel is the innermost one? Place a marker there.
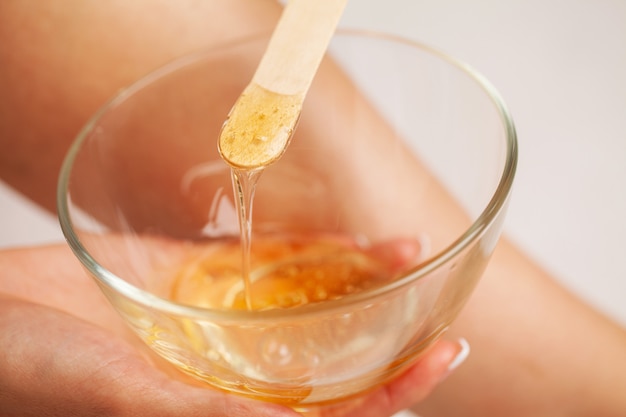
(400, 150)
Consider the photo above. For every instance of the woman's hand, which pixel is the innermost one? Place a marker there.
(66, 352)
(56, 364)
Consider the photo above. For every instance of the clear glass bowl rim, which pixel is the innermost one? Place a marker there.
(489, 214)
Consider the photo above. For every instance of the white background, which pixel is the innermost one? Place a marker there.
(561, 67)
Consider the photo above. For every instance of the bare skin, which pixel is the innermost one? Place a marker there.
(536, 349)
(66, 352)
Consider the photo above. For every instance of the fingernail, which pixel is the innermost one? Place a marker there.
(460, 357)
